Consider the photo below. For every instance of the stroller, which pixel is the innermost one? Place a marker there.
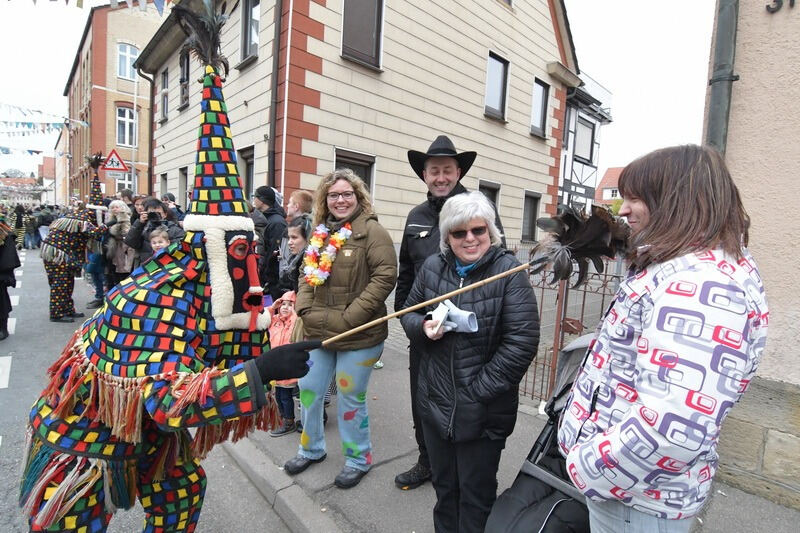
(542, 499)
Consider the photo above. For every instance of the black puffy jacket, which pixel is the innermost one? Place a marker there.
(420, 241)
(469, 382)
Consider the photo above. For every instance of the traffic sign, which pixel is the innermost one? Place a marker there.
(115, 163)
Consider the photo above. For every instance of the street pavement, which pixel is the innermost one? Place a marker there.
(247, 488)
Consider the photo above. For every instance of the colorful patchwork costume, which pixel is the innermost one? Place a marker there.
(174, 346)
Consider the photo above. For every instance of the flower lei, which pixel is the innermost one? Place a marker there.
(316, 265)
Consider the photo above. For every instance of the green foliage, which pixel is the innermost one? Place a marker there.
(615, 206)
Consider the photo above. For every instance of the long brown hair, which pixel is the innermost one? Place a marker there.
(321, 194)
(694, 204)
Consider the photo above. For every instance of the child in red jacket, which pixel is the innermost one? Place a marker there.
(281, 327)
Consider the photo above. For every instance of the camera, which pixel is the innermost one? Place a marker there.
(152, 216)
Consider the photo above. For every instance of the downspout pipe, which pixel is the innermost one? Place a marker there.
(722, 76)
(273, 112)
(150, 134)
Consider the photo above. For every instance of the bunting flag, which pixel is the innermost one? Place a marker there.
(159, 4)
(6, 150)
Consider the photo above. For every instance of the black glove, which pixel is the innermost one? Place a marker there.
(285, 362)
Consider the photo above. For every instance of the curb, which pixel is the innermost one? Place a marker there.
(300, 513)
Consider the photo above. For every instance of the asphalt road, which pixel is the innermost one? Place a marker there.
(231, 504)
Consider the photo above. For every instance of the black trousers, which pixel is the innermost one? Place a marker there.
(414, 358)
(465, 480)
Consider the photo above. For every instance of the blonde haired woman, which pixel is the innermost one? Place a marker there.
(350, 267)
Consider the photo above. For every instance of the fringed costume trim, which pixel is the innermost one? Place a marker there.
(52, 254)
(68, 224)
(118, 402)
(64, 478)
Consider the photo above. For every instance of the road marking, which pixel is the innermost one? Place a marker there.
(5, 371)
(18, 285)
(14, 300)
(12, 325)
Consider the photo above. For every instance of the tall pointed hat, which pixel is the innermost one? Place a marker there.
(218, 207)
(95, 205)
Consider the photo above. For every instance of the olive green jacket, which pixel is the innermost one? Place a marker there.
(362, 277)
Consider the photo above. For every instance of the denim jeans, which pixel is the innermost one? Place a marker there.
(285, 401)
(352, 369)
(97, 281)
(615, 517)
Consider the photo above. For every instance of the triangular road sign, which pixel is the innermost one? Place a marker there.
(115, 163)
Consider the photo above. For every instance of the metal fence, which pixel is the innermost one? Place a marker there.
(565, 313)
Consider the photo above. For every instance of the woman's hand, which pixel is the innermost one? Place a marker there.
(143, 217)
(432, 329)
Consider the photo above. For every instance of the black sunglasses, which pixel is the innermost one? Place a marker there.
(462, 233)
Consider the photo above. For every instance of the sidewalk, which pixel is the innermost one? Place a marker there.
(309, 502)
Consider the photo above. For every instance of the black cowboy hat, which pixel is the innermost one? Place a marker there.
(441, 147)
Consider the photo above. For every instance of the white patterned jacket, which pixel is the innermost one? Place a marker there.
(674, 352)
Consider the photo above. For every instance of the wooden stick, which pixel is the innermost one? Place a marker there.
(432, 301)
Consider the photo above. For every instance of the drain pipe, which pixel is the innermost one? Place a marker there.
(722, 76)
(150, 136)
(287, 70)
(273, 113)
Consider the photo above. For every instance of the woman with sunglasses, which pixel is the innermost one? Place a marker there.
(349, 269)
(468, 381)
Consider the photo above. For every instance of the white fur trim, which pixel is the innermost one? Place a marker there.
(221, 285)
(223, 222)
(97, 207)
(242, 321)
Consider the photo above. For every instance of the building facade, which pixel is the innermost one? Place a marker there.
(369, 80)
(751, 116)
(588, 109)
(607, 191)
(109, 103)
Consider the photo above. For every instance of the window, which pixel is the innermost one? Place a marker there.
(183, 179)
(361, 164)
(251, 17)
(496, 85)
(610, 194)
(246, 165)
(184, 81)
(584, 140)
(362, 31)
(127, 54)
(163, 186)
(539, 107)
(126, 126)
(125, 179)
(530, 212)
(164, 94)
(490, 190)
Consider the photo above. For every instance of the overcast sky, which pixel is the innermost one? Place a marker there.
(651, 54)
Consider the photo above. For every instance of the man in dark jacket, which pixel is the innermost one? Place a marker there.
(441, 168)
(153, 216)
(264, 201)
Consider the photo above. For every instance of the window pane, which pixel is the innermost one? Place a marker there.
(539, 107)
(361, 27)
(496, 84)
(584, 133)
(529, 214)
(255, 16)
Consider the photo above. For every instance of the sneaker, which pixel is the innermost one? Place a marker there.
(288, 426)
(413, 478)
(378, 365)
(94, 304)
